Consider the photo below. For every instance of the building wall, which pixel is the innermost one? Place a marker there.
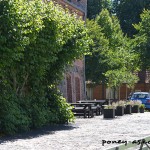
(75, 6)
(124, 91)
(102, 92)
(73, 85)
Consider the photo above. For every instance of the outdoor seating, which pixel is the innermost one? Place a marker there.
(97, 110)
(83, 109)
(97, 105)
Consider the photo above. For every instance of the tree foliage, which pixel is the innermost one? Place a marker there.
(94, 63)
(142, 39)
(116, 54)
(112, 51)
(94, 7)
(37, 41)
(128, 12)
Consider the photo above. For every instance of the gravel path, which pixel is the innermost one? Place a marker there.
(84, 134)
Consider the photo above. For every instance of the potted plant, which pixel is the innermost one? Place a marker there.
(142, 108)
(136, 106)
(120, 108)
(109, 111)
(128, 107)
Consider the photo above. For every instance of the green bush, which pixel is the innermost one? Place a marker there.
(60, 111)
(37, 40)
(12, 117)
(26, 113)
(39, 112)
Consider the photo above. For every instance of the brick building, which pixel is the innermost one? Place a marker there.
(102, 92)
(75, 6)
(73, 85)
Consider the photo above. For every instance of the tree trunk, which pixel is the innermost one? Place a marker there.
(103, 90)
(119, 93)
(23, 85)
(126, 92)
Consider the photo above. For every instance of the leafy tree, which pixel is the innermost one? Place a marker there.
(35, 44)
(112, 53)
(128, 12)
(142, 39)
(120, 54)
(94, 7)
(95, 64)
(110, 43)
(37, 41)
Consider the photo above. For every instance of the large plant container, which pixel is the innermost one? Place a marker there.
(135, 109)
(109, 113)
(119, 111)
(128, 109)
(142, 110)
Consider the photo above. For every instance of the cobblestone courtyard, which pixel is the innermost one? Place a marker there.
(84, 134)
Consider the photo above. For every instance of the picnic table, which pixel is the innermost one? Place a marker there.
(82, 109)
(97, 106)
(96, 102)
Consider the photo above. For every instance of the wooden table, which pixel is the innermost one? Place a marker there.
(83, 109)
(96, 102)
(97, 106)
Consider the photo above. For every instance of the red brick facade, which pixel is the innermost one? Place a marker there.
(101, 92)
(75, 6)
(73, 86)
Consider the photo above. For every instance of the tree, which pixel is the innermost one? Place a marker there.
(37, 41)
(142, 39)
(94, 7)
(128, 12)
(112, 53)
(119, 53)
(95, 64)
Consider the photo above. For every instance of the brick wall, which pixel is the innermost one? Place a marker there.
(124, 91)
(143, 85)
(73, 85)
(74, 6)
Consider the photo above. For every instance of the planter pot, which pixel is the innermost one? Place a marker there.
(128, 109)
(141, 110)
(135, 109)
(119, 111)
(109, 113)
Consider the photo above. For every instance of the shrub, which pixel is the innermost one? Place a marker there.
(60, 111)
(18, 114)
(12, 117)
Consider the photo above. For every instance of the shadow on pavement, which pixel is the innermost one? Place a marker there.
(51, 129)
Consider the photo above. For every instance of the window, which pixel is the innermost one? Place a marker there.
(140, 95)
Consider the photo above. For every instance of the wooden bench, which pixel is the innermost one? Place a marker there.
(96, 107)
(82, 110)
(97, 110)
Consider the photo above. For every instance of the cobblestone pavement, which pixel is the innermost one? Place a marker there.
(84, 134)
